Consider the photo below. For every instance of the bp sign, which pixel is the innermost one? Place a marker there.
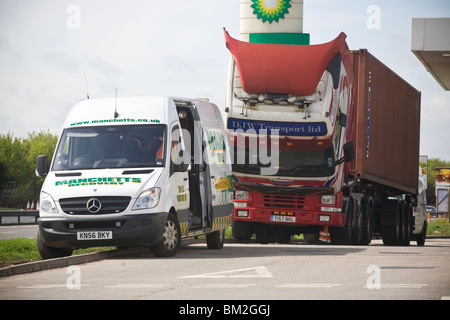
(270, 10)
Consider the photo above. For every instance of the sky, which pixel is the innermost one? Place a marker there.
(147, 47)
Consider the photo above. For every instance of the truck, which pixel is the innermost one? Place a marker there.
(136, 171)
(325, 143)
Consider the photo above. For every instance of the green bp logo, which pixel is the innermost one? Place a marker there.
(270, 10)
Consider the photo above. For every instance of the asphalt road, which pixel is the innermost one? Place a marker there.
(18, 231)
(251, 272)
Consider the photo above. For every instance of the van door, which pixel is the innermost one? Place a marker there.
(178, 186)
(199, 184)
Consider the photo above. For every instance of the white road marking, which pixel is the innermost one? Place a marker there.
(308, 285)
(256, 272)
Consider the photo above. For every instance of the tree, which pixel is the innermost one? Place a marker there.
(18, 163)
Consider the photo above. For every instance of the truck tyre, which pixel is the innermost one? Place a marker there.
(358, 223)
(282, 237)
(263, 234)
(420, 238)
(241, 230)
(171, 240)
(311, 238)
(391, 232)
(216, 239)
(367, 222)
(47, 252)
(343, 235)
(406, 226)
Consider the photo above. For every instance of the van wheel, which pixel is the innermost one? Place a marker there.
(216, 239)
(47, 252)
(420, 238)
(171, 239)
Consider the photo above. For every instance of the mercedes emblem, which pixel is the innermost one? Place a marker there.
(93, 205)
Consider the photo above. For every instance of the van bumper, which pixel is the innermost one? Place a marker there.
(127, 230)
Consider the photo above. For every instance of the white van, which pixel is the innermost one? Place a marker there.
(137, 171)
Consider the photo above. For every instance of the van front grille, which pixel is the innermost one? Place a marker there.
(108, 205)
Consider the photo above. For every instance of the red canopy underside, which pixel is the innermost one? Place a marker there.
(287, 69)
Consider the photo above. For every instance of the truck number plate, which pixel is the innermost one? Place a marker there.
(282, 219)
(94, 235)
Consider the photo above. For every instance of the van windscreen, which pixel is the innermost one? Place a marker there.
(124, 146)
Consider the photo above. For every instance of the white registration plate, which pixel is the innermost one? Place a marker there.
(94, 235)
(282, 219)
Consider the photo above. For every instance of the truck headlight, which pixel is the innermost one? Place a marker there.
(147, 199)
(241, 195)
(47, 204)
(328, 199)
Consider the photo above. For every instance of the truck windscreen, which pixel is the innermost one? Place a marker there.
(291, 163)
(124, 146)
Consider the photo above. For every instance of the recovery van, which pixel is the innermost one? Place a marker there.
(136, 171)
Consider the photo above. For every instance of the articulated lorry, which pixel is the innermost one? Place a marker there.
(325, 141)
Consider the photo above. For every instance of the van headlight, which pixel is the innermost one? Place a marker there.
(147, 199)
(47, 204)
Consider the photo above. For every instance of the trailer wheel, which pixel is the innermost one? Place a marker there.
(406, 224)
(47, 252)
(216, 239)
(171, 240)
(263, 235)
(367, 222)
(241, 230)
(391, 232)
(282, 237)
(311, 238)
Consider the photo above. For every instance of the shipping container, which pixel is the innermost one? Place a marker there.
(386, 126)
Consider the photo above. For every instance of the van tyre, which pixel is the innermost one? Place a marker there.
(47, 252)
(420, 238)
(171, 239)
(215, 240)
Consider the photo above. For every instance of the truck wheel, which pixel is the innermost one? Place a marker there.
(171, 240)
(311, 238)
(263, 234)
(406, 225)
(367, 222)
(241, 230)
(344, 234)
(358, 224)
(420, 238)
(391, 233)
(216, 239)
(283, 237)
(47, 252)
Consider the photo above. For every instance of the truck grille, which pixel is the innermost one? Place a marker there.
(271, 200)
(79, 206)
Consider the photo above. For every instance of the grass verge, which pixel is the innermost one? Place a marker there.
(438, 228)
(21, 250)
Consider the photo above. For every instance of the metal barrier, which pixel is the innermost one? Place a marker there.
(19, 214)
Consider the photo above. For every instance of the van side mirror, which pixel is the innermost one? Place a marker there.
(349, 151)
(42, 166)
